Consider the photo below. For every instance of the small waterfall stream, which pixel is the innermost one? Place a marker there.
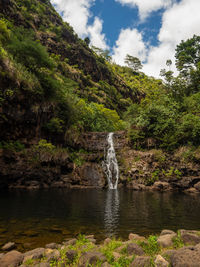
(110, 164)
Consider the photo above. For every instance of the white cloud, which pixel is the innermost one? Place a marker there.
(146, 7)
(96, 35)
(77, 14)
(129, 42)
(179, 22)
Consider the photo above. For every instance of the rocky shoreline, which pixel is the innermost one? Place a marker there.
(175, 249)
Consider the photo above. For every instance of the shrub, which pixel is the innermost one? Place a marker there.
(14, 146)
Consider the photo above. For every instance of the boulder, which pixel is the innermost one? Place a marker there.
(167, 232)
(166, 240)
(161, 262)
(92, 240)
(91, 258)
(191, 190)
(52, 245)
(105, 264)
(141, 261)
(34, 254)
(70, 242)
(197, 186)
(186, 257)
(8, 246)
(136, 237)
(168, 253)
(12, 258)
(135, 186)
(134, 249)
(107, 240)
(116, 255)
(161, 186)
(190, 238)
(52, 254)
(71, 255)
(42, 264)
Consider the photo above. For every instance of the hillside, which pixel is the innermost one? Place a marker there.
(51, 80)
(55, 89)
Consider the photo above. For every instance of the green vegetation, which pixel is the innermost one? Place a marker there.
(14, 146)
(43, 67)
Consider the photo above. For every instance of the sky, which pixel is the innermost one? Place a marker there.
(147, 29)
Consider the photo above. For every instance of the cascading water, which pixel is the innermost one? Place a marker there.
(110, 164)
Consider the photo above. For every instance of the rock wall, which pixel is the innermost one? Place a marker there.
(139, 170)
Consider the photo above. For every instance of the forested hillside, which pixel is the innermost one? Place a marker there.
(53, 85)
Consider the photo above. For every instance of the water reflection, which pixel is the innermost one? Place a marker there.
(111, 215)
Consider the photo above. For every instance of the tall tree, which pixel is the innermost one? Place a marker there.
(188, 54)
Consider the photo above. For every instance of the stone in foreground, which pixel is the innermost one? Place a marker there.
(91, 258)
(161, 262)
(141, 261)
(186, 257)
(11, 259)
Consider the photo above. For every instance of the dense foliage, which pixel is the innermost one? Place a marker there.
(43, 63)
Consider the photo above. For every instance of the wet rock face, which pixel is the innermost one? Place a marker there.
(97, 141)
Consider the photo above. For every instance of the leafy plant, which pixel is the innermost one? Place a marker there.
(151, 247)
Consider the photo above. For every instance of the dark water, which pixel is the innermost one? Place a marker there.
(32, 219)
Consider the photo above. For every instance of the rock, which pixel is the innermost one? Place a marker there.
(70, 242)
(116, 255)
(134, 249)
(186, 257)
(135, 186)
(92, 240)
(89, 236)
(161, 186)
(197, 186)
(105, 264)
(169, 253)
(37, 253)
(71, 255)
(190, 237)
(191, 190)
(119, 249)
(52, 254)
(166, 240)
(1, 255)
(8, 246)
(141, 261)
(166, 232)
(52, 245)
(161, 262)
(12, 258)
(106, 241)
(91, 258)
(136, 237)
(42, 264)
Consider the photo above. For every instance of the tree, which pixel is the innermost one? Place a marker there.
(133, 62)
(188, 54)
(87, 41)
(168, 75)
(169, 63)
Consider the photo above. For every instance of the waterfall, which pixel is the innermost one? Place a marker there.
(110, 164)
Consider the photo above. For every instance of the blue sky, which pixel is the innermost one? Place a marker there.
(124, 17)
(147, 29)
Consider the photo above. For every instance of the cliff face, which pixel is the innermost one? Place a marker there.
(44, 167)
(31, 92)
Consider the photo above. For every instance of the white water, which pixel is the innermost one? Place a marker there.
(110, 164)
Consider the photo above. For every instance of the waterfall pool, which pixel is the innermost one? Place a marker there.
(35, 218)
